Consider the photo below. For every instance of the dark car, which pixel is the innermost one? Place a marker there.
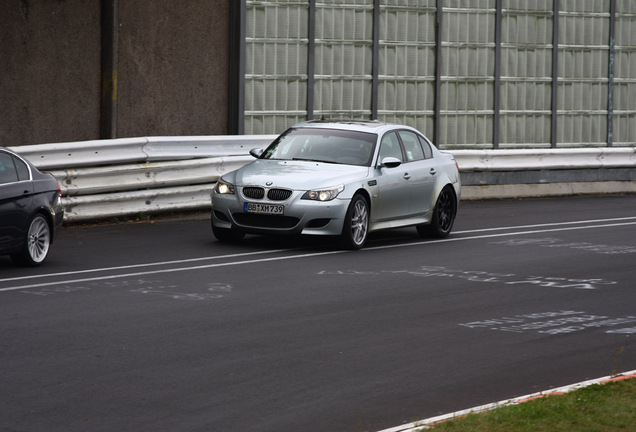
(31, 210)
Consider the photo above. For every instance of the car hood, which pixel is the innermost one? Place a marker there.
(298, 175)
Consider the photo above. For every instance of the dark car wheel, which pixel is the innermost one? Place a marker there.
(356, 223)
(227, 234)
(443, 215)
(37, 243)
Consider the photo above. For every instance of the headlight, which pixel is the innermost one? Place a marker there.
(224, 188)
(323, 194)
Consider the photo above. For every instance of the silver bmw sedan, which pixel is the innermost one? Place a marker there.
(340, 178)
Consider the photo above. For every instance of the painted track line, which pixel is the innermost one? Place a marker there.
(131, 266)
(273, 251)
(260, 260)
(485, 236)
(591, 221)
(171, 270)
(422, 424)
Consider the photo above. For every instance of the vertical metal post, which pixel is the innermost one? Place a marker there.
(236, 115)
(610, 75)
(497, 89)
(311, 58)
(555, 73)
(109, 54)
(375, 61)
(438, 70)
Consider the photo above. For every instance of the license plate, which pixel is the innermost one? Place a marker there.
(271, 209)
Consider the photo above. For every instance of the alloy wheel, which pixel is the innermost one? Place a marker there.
(359, 222)
(38, 239)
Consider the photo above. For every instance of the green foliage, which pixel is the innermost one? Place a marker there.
(609, 407)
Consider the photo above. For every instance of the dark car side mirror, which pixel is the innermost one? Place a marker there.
(256, 152)
(391, 162)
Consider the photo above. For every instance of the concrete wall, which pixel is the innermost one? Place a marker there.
(173, 67)
(49, 71)
(172, 76)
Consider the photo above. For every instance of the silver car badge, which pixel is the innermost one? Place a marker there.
(269, 183)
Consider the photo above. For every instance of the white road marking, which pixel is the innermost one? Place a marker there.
(173, 270)
(545, 225)
(500, 235)
(281, 258)
(104, 269)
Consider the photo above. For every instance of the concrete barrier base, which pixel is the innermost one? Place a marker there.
(476, 192)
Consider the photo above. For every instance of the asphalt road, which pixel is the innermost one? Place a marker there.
(157, 327)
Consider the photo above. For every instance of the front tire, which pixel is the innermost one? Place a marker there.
(37, 243)
(356, 224)
(443, 215)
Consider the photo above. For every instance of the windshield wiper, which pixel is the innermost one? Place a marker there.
(314, 160)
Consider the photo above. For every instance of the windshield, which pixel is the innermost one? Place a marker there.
(323, 145)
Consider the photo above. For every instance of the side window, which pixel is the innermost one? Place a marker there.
(428, 153)
(8, 173)
(390, 147)
(23, 170)
(412, 146)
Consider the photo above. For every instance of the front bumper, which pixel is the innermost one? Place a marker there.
(300, 216)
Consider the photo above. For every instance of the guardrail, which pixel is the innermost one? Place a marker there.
(133, 150)
(113, 178)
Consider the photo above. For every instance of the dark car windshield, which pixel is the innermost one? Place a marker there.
(323, 145)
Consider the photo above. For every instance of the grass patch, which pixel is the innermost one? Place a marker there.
(609, 407)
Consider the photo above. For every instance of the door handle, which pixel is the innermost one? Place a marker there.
(407, 176)
(432, 171)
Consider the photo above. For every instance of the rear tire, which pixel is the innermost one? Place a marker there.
(356, 224)
(443, 215)
(36, 245)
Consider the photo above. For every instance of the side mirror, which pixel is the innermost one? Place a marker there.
(391, 162)
(256, 152)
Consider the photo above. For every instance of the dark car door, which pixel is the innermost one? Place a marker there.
(15, 201)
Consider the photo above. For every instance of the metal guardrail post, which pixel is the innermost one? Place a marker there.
(610, 75)
(555, 74)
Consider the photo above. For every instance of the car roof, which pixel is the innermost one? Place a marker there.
(14, 153)
(11, 152)
(369, 126)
